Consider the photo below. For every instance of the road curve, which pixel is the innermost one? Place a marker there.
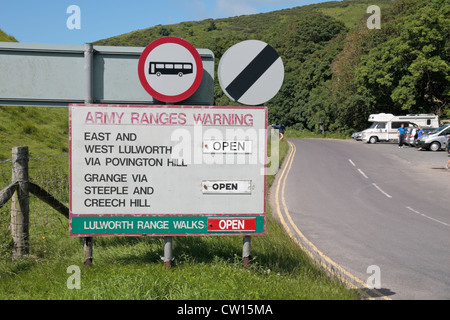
(368, 214)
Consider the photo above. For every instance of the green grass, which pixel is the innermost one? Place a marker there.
(44, 130)
(351, 12)
(206, 267)
(131, 268)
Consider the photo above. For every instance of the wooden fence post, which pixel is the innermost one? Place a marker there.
(20, 209)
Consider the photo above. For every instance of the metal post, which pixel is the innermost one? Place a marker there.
(88, 99)
(89, 73)
(168, 256)
(20, 207)
(246, 251)
(88, 251)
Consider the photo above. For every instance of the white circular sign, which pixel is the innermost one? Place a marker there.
(170, 69)
(251, 72)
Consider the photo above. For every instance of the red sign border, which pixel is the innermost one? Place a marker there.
(198, 77)
(215, 215)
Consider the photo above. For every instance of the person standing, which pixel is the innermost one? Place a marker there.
(419, 134)
(281, 129)
(401, 135)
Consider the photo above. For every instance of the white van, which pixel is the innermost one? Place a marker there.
(385, 125)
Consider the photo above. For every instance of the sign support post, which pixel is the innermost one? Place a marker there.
(89, 72)
(168, 255)
(88, 98)
(246, 250)
(88, 248)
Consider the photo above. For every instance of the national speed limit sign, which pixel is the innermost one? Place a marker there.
(251, 72)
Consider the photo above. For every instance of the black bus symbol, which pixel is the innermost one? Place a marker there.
(179, 68)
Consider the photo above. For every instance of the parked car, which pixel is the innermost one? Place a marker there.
(357, 135)
(412, 131)
(435, 140)
(409, 136)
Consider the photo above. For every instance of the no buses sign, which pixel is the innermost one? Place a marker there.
(167, 170)
(170, 69)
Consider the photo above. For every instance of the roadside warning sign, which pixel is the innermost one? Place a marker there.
(170, 69)
(167, 170)
(251, 72)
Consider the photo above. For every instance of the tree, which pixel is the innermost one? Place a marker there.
(410, 71)
(301, 45)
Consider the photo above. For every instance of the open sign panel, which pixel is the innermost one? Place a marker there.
(145, 170)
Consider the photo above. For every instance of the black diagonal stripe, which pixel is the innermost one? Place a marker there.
(252, 72)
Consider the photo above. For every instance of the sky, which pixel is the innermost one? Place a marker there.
(80, 21)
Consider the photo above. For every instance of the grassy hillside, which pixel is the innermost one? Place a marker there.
(206, 33)
(44, 130)
(351, 12)
(6, 37)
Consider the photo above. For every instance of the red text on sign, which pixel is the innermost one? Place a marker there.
(232, 224)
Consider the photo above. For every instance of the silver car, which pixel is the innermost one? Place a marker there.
(435, 140)
(409, 136)
(411, 133)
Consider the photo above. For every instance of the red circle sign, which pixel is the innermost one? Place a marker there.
(170, 69)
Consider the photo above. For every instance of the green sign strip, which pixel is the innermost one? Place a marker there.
(164, 225)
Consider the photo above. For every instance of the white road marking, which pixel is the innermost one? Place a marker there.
(428, 217)
(381, 190)
(364, 175)
(374, 184)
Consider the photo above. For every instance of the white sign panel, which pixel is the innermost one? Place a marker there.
(244, 186)
(151, 161)
(231, 146)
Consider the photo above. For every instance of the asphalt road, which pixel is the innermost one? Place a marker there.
(377, 215)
